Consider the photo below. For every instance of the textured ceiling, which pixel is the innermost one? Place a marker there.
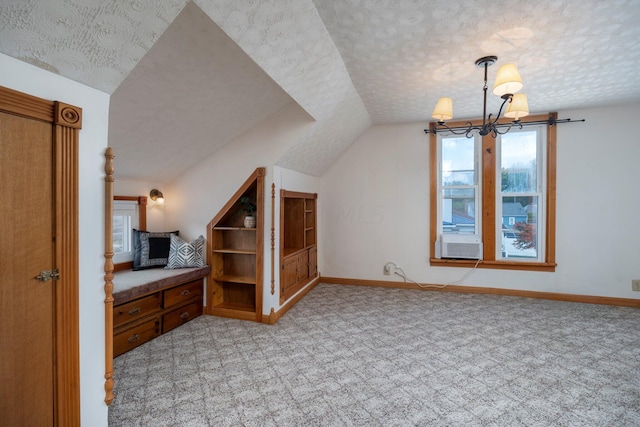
(348, 63)
(177, 122)
(404, 54)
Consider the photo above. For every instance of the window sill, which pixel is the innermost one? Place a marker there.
(496, 265)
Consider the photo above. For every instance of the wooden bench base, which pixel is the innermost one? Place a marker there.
(143, 312)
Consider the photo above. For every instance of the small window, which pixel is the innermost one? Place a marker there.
(125, 219)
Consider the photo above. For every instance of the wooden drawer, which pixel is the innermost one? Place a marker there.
(136, 309)
(133, 337)
(182, 293)
(182, 315)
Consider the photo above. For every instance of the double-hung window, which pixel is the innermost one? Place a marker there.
(499, 191)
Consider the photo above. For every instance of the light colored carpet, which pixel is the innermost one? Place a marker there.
(362, 356)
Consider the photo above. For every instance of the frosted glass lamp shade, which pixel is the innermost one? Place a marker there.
(443, 110)
(508, 80)
(518, 107)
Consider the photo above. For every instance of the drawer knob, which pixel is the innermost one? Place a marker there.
(185, 292)
(134, 311)
(184, 315)
(133, 338)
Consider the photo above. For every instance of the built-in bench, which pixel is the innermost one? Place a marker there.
(148, 303)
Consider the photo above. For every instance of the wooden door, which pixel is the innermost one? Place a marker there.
(27, 304)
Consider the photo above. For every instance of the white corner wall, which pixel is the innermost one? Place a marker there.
(375, 209)
(25, 78)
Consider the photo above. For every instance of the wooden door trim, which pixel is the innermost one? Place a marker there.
(108, 275)
(66, 121)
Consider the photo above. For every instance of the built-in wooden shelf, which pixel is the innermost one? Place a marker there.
(236, 279)
(234, 251)
(234, 288)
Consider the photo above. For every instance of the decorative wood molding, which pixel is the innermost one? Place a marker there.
(66, 140)
(67, 115)
(273, 237)
(25, 105)
(109, 170)
(588, 299)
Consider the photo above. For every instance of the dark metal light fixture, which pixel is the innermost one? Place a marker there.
(508, 83)
(156, 196)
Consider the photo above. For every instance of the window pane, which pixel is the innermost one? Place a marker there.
(121, 234)
(519, 162)
(458, 161)
(458, 210)
(520, 227)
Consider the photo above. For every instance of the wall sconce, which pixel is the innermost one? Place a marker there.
(157, 196)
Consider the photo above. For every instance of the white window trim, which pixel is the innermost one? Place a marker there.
(131, 208)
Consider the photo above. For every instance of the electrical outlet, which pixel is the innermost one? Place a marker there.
(635, 285)
(386, 270)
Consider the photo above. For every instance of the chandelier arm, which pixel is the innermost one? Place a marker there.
(507, 97)
(508, 127)
(457, 130)
(466, 130)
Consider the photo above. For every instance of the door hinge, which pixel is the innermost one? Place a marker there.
(48, 275)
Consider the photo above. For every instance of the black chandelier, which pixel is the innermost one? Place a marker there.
(508, 83)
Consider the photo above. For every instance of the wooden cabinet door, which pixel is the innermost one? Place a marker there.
(303, 266)
(289, 273)
(26, 248)
(313, 262)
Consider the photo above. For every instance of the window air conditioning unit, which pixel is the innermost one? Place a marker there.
(466, 246)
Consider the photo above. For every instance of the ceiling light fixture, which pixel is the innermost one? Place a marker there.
(508, 83)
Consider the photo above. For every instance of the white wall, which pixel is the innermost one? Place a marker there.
(375, 209)
(156, 213)
(25, 78)
(194, 198)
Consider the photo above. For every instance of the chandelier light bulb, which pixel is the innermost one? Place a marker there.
(443, 110)
(518, 107)
(508, 80)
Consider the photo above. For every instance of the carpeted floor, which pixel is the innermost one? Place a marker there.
(362, 356)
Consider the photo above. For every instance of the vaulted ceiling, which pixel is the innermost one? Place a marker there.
(187, 78)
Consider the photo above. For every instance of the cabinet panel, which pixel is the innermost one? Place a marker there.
(289, 273)
(293, 223)
(137, 309)
(313, 262)
(303, 266)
